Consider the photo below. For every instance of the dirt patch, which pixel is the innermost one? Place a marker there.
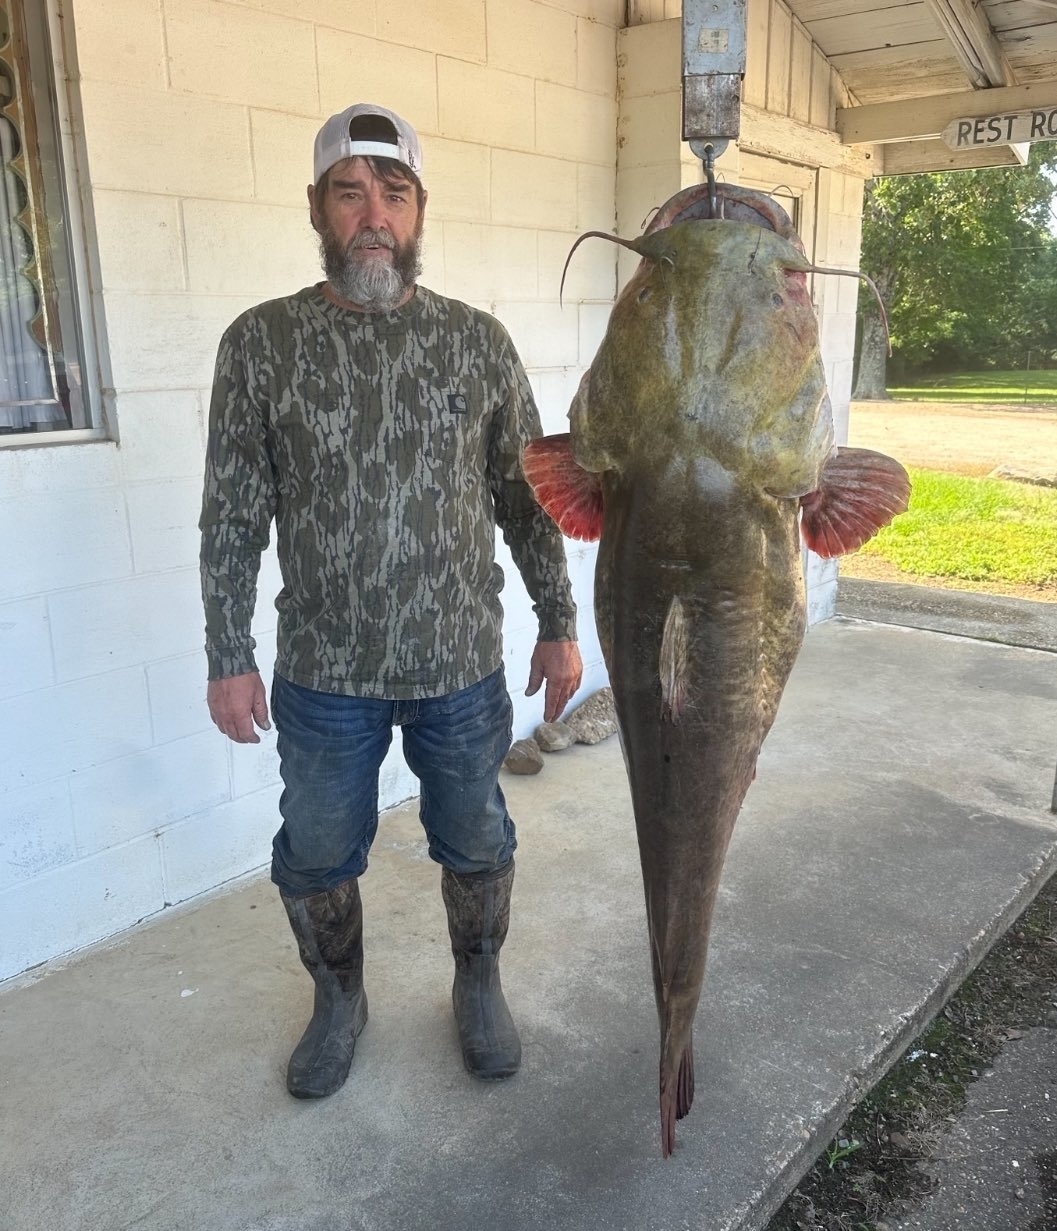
(958, 437)
(877, 1167)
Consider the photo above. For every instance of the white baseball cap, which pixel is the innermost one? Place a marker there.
(333, 142)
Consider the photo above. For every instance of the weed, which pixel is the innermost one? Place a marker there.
(841, 1149)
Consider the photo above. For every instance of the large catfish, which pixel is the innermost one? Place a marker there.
(701, 445)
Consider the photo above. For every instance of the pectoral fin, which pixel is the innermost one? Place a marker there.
(860, 492)
(571, 495)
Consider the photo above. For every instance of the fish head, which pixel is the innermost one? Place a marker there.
(713, 346)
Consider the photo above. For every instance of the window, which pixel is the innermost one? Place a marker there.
(46, 382)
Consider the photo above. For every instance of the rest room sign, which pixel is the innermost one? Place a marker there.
(1008, 128)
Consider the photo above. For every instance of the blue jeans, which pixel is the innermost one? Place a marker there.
(330, 749)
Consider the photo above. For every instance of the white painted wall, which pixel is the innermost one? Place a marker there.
(119, 798)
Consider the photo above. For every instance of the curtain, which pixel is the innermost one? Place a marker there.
(27, 393)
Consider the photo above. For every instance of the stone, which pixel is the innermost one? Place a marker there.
(1018, 475)
(594, 720)
(554, 736)
(524, 757)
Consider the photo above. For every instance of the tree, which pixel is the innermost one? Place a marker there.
(965, 262)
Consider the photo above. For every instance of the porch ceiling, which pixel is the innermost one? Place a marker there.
(911, 66)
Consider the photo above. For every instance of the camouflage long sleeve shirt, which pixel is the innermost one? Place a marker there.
(386, 447)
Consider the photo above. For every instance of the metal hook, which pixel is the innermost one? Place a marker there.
(710, 176)
(708, 151)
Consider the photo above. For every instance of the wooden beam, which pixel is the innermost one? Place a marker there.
(914, 157)
(974, 43)
(916, 118)
(777, 136)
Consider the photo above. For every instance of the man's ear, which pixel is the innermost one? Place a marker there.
(313, 212)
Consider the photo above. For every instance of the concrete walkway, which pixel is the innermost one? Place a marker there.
(899, 821)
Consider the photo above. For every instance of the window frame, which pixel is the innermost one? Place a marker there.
(75, 193)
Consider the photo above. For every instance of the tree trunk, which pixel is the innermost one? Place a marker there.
(873, 361)
(871, 378)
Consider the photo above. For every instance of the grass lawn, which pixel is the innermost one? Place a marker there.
(990, 530)
(1018, 387)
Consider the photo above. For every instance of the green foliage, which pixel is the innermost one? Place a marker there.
(837, 1151)
(966, 263)
(974, 529)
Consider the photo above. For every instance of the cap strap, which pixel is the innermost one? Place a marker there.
(384, 149)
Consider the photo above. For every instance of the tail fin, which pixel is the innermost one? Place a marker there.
(676, 1097)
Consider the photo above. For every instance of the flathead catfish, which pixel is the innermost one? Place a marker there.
(701, 444)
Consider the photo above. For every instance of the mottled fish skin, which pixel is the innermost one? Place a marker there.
(728, 556)
(706, 418)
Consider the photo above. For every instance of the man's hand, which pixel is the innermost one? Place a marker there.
(238, 702)
(559, 663)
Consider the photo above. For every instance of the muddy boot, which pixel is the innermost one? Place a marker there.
(478, 909)
(329, 931)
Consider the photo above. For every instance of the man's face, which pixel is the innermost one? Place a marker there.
(370, 231)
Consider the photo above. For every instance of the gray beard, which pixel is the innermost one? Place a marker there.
(372, 282)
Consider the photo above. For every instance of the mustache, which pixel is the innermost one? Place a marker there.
(371, 239)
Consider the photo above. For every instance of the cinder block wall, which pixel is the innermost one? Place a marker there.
(118, 796)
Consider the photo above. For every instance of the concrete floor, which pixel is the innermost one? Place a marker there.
(899, 821)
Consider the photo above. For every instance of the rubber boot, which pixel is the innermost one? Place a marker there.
(329, 931)
(478, 907)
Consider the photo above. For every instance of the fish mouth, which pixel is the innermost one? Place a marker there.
(736, 204)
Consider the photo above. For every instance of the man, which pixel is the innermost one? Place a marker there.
(381, 426)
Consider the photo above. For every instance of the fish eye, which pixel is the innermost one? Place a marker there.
(777, 300)
(644, 294)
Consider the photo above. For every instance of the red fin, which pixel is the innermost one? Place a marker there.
(859, 493)
(571, 495)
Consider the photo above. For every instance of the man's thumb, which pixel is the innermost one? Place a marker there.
(534, 681)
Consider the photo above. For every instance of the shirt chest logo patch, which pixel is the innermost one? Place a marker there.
(457, 403)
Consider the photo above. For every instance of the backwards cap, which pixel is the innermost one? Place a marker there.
(333, 142)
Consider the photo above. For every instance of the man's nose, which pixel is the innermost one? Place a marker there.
(374, 212)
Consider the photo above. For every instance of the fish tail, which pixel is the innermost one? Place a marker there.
(676, 1097)
(859, 493)
(685, 1091)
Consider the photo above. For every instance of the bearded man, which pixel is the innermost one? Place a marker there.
(380, 425)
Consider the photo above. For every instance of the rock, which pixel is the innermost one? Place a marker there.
(1017, 475)
(594, 720)
(524, 757)
(554, 736)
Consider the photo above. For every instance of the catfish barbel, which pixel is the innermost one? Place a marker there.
(701, 447)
